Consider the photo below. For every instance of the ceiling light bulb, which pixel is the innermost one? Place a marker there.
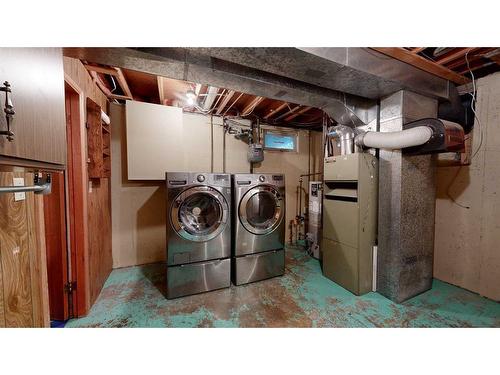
(190, 94)
(190, 101)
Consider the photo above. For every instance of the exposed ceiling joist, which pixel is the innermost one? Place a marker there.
(424, 64)
(293, 110)
(417, 49)
(233, 103)
(272, 112)
(494, 55)
(123, 82)
(101, 69)
(161, 92)
(455, 55)
(225, 101)
(115, 72)
(105, 90)
(298, 113)
(473, 67)
(251, 106)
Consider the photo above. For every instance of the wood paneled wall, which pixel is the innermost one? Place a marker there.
(23, 269)
(77, 74)
(98, 191)
(36, 76)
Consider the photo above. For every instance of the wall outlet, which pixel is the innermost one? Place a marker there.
(19, 181)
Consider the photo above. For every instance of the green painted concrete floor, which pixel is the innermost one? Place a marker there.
(134, 297)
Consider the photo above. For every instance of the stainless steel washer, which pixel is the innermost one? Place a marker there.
(198, 232)
(259, 227)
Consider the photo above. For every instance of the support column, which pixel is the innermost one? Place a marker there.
(407, 192)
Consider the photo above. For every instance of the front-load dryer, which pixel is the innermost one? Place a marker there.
(198, 232)
(259, 227)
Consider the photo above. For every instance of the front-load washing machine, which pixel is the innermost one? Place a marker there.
(259, 227)
(198, 232)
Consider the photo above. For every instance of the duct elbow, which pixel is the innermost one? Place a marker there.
(395, 140)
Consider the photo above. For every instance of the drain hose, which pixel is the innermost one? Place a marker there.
(395, 140)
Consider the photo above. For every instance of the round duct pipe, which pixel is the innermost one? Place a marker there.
(395, 140)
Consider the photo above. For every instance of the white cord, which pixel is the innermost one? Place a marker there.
(472, 105)
(480, 128)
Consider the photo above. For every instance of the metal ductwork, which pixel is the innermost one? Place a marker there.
(344, 82)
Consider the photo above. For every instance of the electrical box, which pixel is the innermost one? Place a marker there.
(350, 193)
(314, 218)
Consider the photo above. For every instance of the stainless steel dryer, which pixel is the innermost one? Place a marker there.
(198, 232)
(259, 227)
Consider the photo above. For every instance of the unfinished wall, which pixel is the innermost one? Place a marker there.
(139, 209)
(467, 239)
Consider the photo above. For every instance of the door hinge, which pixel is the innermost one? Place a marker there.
(70, 287)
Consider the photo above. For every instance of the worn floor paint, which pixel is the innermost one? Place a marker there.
(134, 297)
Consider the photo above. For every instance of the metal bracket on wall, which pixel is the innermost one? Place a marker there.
(42, 185)
(9, 111)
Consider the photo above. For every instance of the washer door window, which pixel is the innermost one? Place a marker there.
(199, 213)
(260, 210)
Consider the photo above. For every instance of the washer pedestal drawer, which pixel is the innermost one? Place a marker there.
(199, 277)
(260, 266)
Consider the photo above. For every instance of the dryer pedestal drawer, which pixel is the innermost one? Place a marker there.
(200, 277)
(259, 266)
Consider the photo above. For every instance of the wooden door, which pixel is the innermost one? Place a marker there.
(77, 201)
(57, 250)
(36, 77)
(23, 272)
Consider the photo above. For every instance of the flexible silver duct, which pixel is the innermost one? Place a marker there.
(395, 140)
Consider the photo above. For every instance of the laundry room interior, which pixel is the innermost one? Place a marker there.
(249, 187)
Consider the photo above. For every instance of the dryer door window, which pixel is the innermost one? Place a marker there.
(260, 210)
(199, 213)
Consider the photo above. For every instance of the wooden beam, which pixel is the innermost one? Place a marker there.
(123, 83)
(423, 64)
(101, 69)
(293, 110)
(454, 55)
(298, 113)
(251, 106)
(224, 101)
(496, 59)
(476, 66)
(159, 80)
(233, 103)
(105, 90)
(417, 49)
(272, 112)
(494, 55)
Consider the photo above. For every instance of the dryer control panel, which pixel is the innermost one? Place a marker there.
(242, 179)
(176, 179)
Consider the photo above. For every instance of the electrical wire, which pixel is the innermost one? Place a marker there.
(480, 128)
(473, 104)
(449, 187)
(114, 83)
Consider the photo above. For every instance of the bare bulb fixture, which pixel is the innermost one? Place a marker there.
(190, 97)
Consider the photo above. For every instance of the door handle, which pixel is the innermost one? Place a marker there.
(9, 110)
(41, 186)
